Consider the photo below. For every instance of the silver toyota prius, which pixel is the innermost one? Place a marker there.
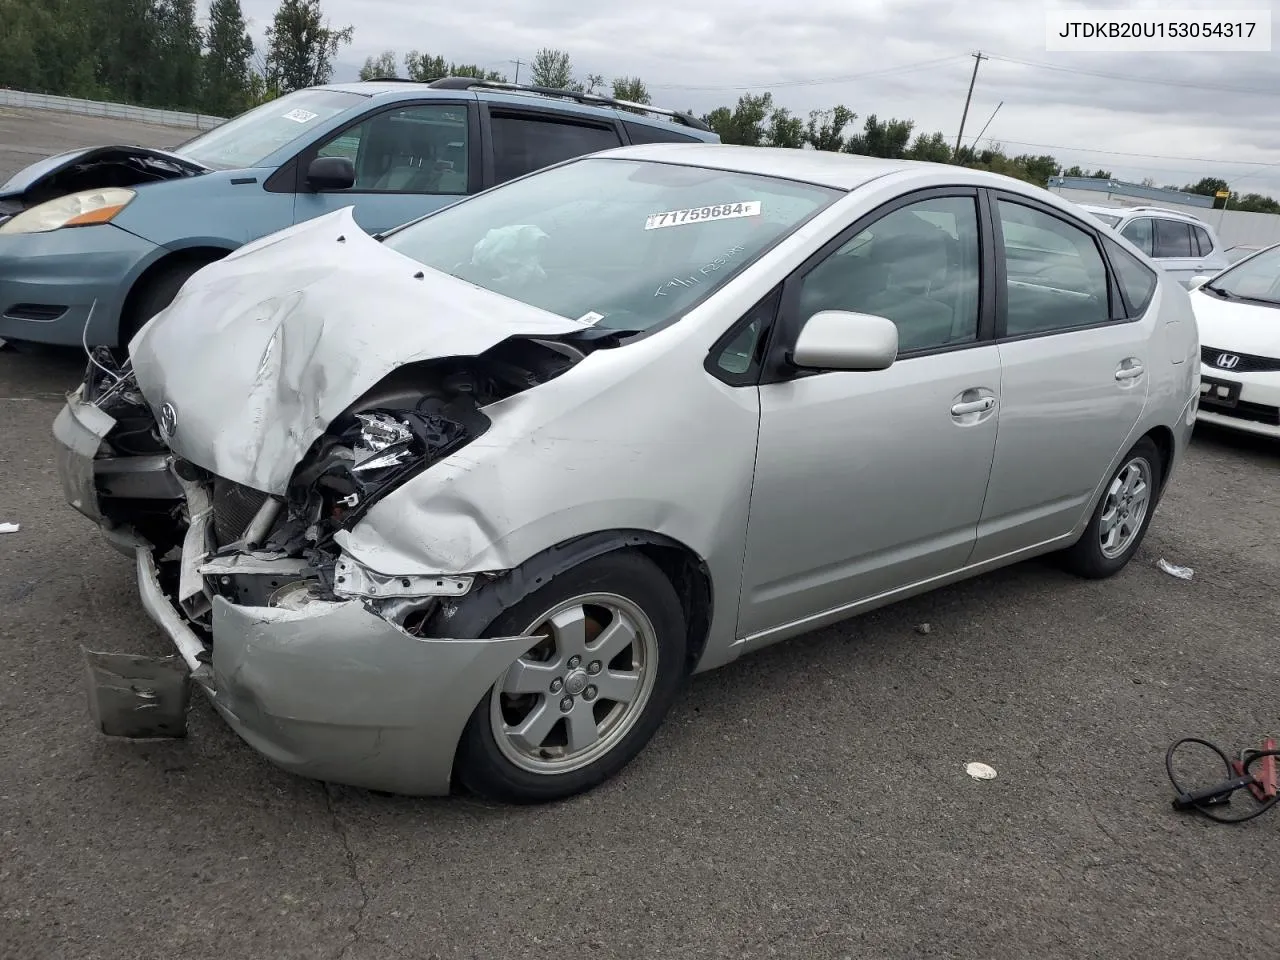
(469, 502)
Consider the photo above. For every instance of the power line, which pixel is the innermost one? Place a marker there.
(1159, 81)
(773, 85)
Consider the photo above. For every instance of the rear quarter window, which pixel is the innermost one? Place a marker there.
(653, 133)
(1137, 281)
(1203, 240)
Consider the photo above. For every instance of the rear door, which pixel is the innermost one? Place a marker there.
(1211, 257)
(1073, 375)
(523, 139)
(410, 158)
(1175, 249)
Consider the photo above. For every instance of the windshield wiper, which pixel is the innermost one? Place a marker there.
(1228, 295)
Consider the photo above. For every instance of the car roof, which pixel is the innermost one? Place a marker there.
(827, 168)
(1144, 211)
(392, 90)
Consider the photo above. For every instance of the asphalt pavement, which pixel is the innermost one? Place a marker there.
(808, 801)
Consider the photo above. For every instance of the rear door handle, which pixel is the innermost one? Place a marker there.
(1130, 372)
(973, 406)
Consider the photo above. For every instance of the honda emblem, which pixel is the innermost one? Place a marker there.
(1228, 361)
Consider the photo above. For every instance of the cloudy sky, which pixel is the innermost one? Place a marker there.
(1172, 116)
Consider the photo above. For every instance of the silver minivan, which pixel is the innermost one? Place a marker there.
(1180, 243)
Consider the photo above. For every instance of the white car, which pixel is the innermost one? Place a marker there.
(1238, 315)
(1177, 242)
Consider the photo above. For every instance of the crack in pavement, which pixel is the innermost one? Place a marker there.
(330, 792)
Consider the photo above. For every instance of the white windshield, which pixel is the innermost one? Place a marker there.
(622, 243)
(247, 140)
(1256, 279)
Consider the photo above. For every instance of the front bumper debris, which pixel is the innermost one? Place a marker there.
(324, 688)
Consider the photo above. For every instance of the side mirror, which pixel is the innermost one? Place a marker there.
(1195, 282)
(331, 173)
(837, 340)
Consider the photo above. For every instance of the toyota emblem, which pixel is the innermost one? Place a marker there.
(168, 419)
(1228, 361)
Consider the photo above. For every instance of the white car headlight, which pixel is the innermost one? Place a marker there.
(74, 210)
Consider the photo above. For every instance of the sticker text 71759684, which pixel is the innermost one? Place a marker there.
(719, 211)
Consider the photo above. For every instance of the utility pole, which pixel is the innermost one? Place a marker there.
(977, 59)
(519, 64)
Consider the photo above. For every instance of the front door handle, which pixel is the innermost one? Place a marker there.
(973, 406)
(1130, 372)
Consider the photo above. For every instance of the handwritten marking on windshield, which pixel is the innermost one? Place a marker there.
(693, 278)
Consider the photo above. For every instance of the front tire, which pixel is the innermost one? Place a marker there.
(1120, 520)
(583, 703)
(158, 293)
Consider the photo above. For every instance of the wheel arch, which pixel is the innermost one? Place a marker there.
(1162, 437)
(205, 254)
(687, 572)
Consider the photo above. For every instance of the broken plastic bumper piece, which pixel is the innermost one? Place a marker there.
(327, 689)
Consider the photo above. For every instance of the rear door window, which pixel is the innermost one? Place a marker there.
(1173, 239)
(524, 142)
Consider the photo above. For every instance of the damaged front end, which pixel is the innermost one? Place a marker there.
(95, 168)
(325, 666)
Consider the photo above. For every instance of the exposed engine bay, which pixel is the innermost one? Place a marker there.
(115, 166)
(210, 536)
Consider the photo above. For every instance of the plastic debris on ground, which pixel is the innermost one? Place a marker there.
(1182, 573)
(8, 528)
(923, 628)
(980, 771)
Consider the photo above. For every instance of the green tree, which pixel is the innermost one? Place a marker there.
(785, 130)
(1207, 187)
(178, 80)
(630, 88)
(1255, 203)
(226, 61)
(889, 139)
(552, 68)
(128, 57)
(1038, 169)
(383, 65)
(931, 148)
(423, 66)
(301, 46)
(825, 129)
(744, 124)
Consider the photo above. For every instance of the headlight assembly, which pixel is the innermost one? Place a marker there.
(82, 209)
(373, 453)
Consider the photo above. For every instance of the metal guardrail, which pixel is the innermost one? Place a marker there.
(115, 111)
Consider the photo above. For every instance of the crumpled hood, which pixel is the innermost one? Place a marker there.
(260, 351)
(1237, 325)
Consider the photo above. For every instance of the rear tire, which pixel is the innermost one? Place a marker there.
(1120, 520)
(568, 716)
